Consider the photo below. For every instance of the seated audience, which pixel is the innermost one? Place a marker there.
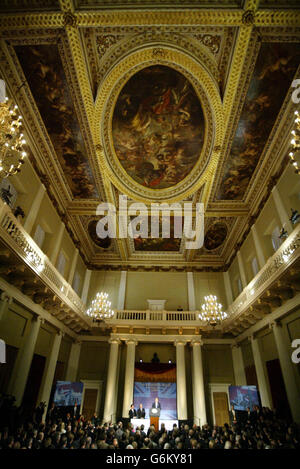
(17, 431)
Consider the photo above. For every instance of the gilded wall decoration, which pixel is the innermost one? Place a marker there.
(44, 72)
(154, 3)
(211, 41)
(158, 127)
(28, 5)
(274, 70)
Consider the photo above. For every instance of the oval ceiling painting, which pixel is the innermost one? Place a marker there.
(158, 127)
(215, 236)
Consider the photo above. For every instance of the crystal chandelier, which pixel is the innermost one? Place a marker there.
(12, 153)
(100, 308)
(212, 311)
(294, 154)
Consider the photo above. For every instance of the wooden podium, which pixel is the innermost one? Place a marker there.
(154, 418)
(155, 421)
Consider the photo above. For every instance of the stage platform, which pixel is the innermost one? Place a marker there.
(146, 422)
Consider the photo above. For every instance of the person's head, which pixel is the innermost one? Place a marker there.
(156, 399)
(228, 444)
(141, 406)
(132, 406)
(211, 444)
(248, 409)
(232, 406)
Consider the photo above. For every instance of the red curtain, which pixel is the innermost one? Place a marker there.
(155, 372)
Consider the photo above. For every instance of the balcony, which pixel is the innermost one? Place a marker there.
(24, 265)
(276, 282)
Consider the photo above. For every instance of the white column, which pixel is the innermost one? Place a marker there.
(45, 389)
(258, 248)
(181, 380)
(122, 290)
(73, 362)
(284, 355)
(32, 214)
(191, 291)
(111, 380)
(261, 373)
(23, 363)
(73, 267)
(282, 213)
(86, 285)
(228, 289)
(6, 300)
(238, 365)
(198, 384)
(241, 269)
(129, 377)
(53, 256)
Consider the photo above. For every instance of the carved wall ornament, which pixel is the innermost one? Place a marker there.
(248, 17)
(70, 19)
(212, 42)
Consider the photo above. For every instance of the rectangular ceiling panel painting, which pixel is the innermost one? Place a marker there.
(44, 72)
(274, 70)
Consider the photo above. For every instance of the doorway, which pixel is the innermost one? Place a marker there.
(89, 403)
(220, 401)
(277, 387)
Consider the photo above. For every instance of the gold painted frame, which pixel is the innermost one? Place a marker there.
(208, 93)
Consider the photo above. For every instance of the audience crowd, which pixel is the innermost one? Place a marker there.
(259, 430)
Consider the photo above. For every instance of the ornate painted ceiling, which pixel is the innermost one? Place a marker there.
(162, 101)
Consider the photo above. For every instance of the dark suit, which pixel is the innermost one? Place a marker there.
(233, 416)
(75, 412)
(132, 413)
(248, 417)
(141, 413)
(156, 406)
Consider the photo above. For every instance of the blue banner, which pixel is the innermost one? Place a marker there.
(145, 393)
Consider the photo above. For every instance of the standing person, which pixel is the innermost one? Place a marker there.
(232, 415)
(156, 404)
(76, 411)
(141, 412)
(132, 412)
